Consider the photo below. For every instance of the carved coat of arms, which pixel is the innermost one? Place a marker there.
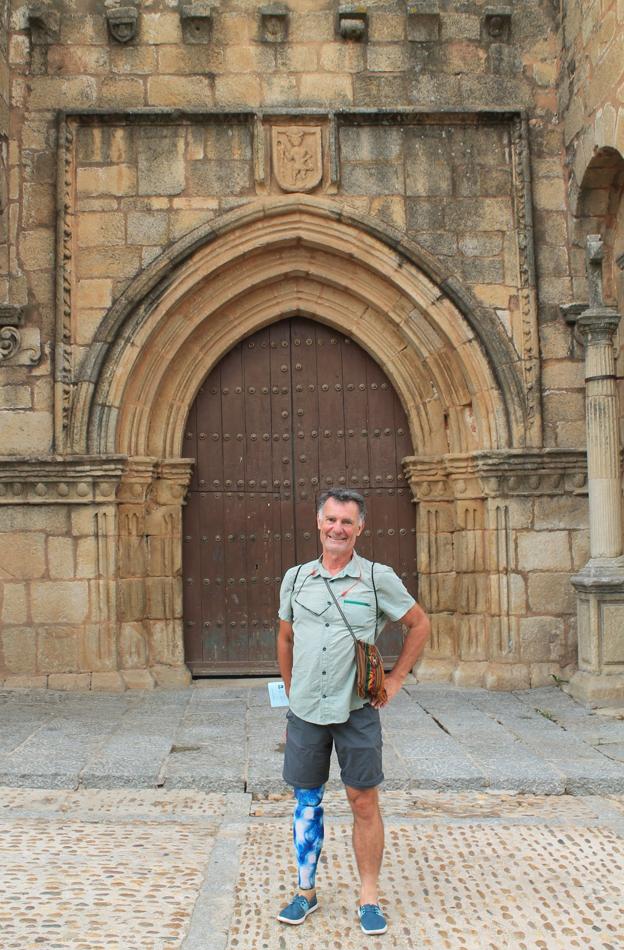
(297, 157)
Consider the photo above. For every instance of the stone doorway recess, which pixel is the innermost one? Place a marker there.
(294, 409)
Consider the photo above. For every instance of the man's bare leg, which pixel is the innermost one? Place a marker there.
(368, 839)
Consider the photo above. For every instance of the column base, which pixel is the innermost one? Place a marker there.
(597, 689)
(600, 614)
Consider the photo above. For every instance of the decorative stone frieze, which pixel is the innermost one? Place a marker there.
(123, 23)
(529, 344)
(352, 22)
(75, 480)
(490, 474)
(197, 22)
(274, 23)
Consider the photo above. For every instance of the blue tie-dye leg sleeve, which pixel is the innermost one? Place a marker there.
(308, 833)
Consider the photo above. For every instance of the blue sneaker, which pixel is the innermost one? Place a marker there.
(372, 921)
(298, 909)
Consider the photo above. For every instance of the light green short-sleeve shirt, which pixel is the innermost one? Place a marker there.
(323, 676)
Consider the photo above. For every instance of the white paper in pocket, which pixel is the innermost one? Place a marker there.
(277, 694)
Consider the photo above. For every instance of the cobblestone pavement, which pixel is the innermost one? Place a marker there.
(120, 869)
(226, 738)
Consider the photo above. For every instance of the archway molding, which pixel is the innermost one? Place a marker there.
(449, 358)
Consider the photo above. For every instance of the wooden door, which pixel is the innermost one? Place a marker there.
(289, 412)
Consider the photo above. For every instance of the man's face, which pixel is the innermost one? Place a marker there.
(339, 526)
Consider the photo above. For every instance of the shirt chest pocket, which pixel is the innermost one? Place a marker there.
(311, 603)
(360, 612)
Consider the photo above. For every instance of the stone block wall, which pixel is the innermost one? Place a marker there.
(4, 150)
(591, 101)
(497, 540)
(440, 122)
(427, 56)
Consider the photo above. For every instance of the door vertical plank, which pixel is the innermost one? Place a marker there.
(192, 579)
(212, 593)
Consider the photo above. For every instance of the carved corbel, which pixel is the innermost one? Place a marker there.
(497, 24)
(274, 23)
(352, 22)
(123, 23)
(17, 343)
(44, 25)
(197, 22)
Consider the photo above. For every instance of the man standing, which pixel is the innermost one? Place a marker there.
(317, 661)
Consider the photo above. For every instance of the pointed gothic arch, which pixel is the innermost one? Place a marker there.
(448, 357)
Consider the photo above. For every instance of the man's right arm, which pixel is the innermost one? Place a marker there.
(285, 652)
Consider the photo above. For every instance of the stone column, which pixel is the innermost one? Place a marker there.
(435, 527)
(151, 648)
(600, 585)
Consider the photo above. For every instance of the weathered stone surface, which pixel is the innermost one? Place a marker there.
(138, 679)
(14, 603)
(540, 638)
(58, 649)
(506, 676)
(69, 681)
(110, 681)
(19, 650)
(153, 163)
(59, 601)
(545, 550)
(22, 556)
(170, 676)
(550, 592)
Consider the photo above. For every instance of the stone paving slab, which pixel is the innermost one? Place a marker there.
(149, 869)
(223, 737)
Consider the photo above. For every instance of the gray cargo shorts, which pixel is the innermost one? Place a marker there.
(358, 747)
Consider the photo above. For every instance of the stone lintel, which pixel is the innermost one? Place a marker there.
(48, 480)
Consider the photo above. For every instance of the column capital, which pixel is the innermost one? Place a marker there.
(598, 325)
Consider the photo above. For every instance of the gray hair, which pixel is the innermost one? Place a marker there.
(344, 496)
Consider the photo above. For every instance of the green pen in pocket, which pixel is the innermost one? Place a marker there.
(360, 603)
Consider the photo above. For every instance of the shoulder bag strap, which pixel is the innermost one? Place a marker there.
(340, 610)
(292, 589)
(376, 600)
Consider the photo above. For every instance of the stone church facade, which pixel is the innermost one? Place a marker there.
(416, 180)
